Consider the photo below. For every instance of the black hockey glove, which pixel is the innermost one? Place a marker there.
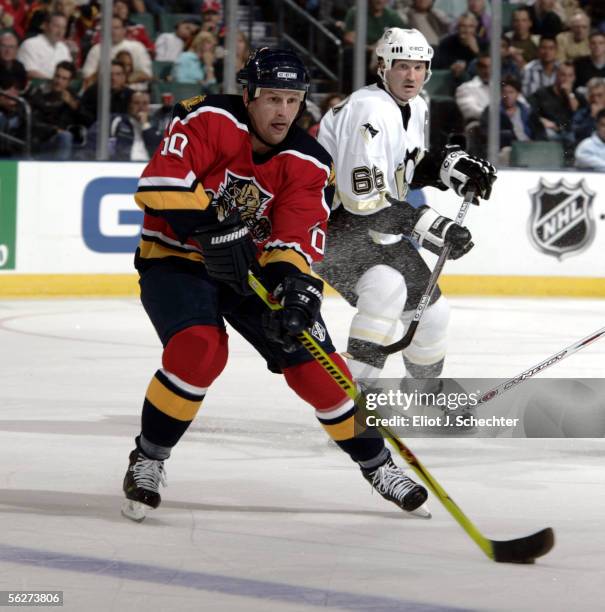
(300, 295)
(229, 252)
(459, 170)
(433, 232)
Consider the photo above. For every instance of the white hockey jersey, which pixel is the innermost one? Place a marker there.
(373, 152)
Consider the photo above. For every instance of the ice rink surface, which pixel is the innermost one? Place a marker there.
(261, 512)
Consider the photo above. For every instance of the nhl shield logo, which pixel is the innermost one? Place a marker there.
(561, 221)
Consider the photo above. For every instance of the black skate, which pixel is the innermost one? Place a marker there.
(390, 481)
(141, 485)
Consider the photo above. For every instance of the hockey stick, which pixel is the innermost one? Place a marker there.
(520, 550)
(507, 385)
(428, 292)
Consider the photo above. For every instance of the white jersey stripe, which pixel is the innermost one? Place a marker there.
(277, 244)
(181, 384)
(207, 109)
(167, 181)
(170, 241)
(335, 412)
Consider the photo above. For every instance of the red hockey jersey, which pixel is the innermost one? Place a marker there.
(205, 167)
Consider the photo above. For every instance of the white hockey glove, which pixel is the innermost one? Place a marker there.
(459, 170)
(433, 232)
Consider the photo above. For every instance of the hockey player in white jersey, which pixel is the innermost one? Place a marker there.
(376, 138)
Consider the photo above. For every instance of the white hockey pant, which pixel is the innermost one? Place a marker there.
(382, 293)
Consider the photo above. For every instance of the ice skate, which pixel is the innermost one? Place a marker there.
(390, 481)
(141, 485)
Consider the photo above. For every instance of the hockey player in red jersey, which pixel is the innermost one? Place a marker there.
(237, 186)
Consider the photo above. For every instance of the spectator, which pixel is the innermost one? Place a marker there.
(593, 65)
(10, 66)
(545, 21)
(42, 53)
(511, 64)
(520, 37)
(13, 15)
(137, 80)
(68, 9)
(574, 43)
(473, 96)
(36, 15)
(516, 119)
(134, 31)
(584, 121)
(54, 112)
(132, 137)
(157, 7)
(452, 8)
(120, 95)
(85, 26)
(380, 17)
(310, 116)
(163, 115)
(479, 9)
(542, 71)
(596, 10)
(169, 45)
(433, 23)
(555, 106)
(332, 14)
(328, 103)
(456, 51)
(119, 42)
(590, 153)
(12, 123)
(569, 8)
(242, 52)
(197, 65)
(211, 20)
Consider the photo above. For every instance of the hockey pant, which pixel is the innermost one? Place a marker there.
(381, 319)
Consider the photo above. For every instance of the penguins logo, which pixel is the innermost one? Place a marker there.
(250, 199)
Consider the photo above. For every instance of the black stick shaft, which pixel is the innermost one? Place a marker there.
(425, 300)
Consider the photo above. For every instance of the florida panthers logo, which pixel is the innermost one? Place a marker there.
(561, 222)
(245, 194)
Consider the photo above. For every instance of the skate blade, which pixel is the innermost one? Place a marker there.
(422, 512)
(134, 510)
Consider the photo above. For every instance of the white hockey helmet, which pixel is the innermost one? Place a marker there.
(398, 43)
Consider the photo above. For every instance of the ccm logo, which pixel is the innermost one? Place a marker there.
(111, 222)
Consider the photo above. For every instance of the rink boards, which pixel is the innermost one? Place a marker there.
(72, 228)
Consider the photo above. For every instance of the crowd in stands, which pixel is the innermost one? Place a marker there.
(50, 54)
(552, 67)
